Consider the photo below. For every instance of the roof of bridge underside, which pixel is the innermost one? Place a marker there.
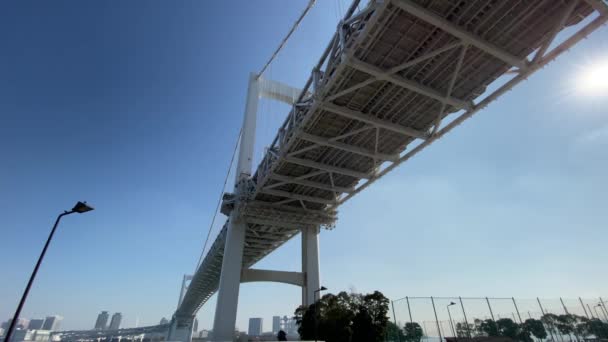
(386, 38)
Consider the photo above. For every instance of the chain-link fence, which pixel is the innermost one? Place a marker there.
(439, 318)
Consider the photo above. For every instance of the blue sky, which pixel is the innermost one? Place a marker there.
(135, 107)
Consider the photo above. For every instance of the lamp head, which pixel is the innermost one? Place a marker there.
(82, 207)
(323, 288)
(451, 303)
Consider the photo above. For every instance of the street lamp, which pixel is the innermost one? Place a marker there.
(450, 315)
(80, 207)
(323, 288)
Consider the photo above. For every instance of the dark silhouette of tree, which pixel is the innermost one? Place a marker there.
(345, 318)
(413, 332)
(393, 332)
(596, 327)
(507, 328)
(536, 328)
(488, 328)
(282, 336)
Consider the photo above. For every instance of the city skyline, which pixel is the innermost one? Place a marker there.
(143, 129)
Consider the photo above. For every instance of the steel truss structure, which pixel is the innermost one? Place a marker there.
(397, 76)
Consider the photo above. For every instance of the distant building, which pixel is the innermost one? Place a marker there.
(115, 322)
(52, 323)
(22, 323)
(22, 335)
(290, 326)
(163, 321)
(36, 324)
(255, 326)
(102, 321)
(276, 324)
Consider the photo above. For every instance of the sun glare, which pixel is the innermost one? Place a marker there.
(594, 80)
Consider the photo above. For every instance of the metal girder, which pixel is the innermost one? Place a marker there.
(297, 196)
(435, 20)
(562, 21)
(326, 167)
(394, 70)
(599, 6)
(402, 82)
(265, 222)
(287, 179)
(360, 116)
(424, 57)
(346, 147)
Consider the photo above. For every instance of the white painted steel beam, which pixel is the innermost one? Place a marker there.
(252, 275)
(372, 120)
(317, 185)
(326, 167)
(402, 82)
(435, 20)
(297, 196)
(346, 147)
(276, 223)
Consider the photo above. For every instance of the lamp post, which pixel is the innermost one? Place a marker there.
(323, 288)
(80, 207)
(450, 315)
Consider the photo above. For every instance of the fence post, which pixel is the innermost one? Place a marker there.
(465, 318)
(517, 310)
(395, 319)
(436, 320)
(408, 309)
(583, 305)
(603, 306)
(490, 307)
(543, 312)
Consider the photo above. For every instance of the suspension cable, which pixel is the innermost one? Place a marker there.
(293, 28)
(219, 201)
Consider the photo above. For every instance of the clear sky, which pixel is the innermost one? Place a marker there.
(135, 107)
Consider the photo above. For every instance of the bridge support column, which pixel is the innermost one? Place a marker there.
(179, 330)
(310, 264)
(230, 280)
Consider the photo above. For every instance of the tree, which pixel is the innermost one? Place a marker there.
(488, 328)
(507, 328)
(393, 333)
(345, 318)
(413, 332)
(536, 328)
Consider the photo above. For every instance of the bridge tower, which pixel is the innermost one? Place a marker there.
(233, 273)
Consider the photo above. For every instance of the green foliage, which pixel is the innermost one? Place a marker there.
(536, 328)
(488, 328)
(413, 332)
(393, 332)
(345, 318)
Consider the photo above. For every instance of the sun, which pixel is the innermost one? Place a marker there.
(593, 79)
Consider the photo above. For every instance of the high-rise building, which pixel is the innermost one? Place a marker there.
(163, 321)
(276, 324)
(102, 321)
(22, 323)
(52, 323)
(115, 322)
(36, 324)
(255, 326)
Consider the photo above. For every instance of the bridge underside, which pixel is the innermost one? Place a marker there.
(397, 73)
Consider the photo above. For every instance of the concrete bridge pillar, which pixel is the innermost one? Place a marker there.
(310, 264)
(179, 330)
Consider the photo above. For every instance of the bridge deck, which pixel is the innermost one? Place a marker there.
(397, 73)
